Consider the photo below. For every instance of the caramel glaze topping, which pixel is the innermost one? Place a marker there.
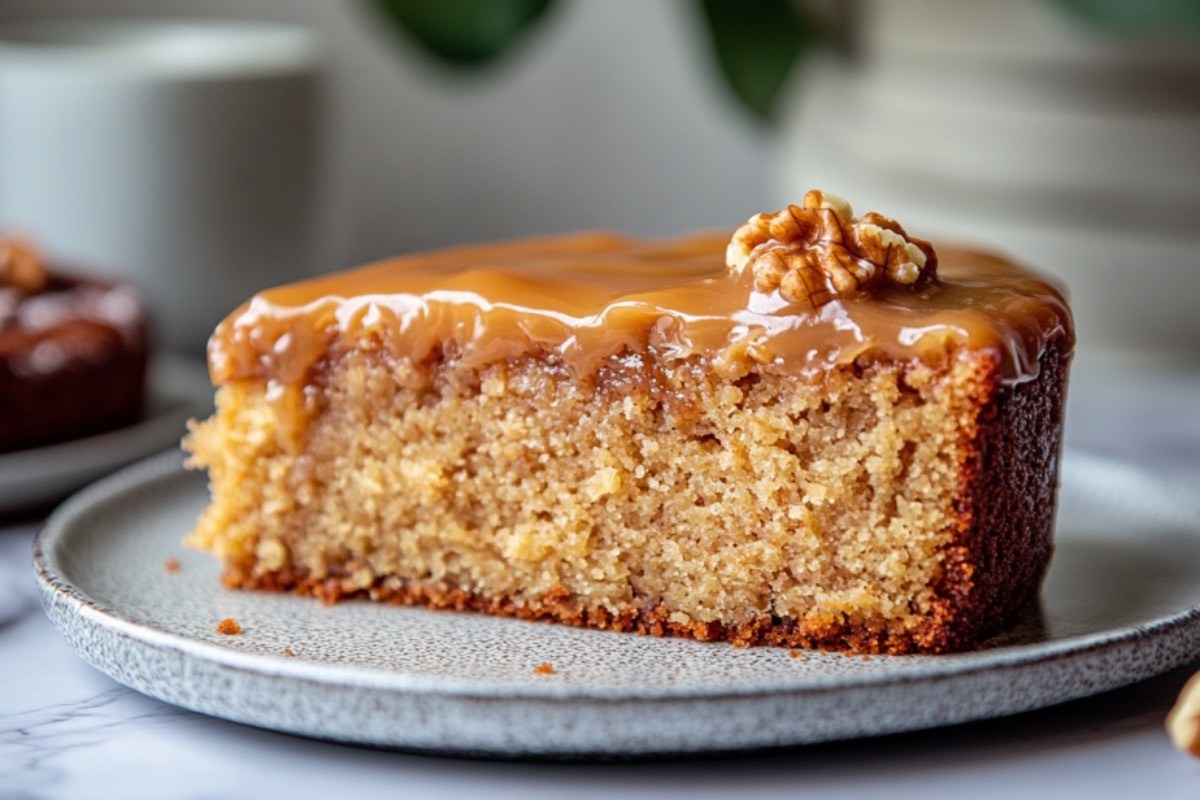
(591, 296)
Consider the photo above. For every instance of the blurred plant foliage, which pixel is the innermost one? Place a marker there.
(464, 32)
(756, 42)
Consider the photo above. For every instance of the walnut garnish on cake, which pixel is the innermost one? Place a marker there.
(814, 252)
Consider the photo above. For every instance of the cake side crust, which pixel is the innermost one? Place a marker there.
(993, 572)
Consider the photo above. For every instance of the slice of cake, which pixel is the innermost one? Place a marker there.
(818, 434)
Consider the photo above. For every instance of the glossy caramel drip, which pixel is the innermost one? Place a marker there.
(588, 297)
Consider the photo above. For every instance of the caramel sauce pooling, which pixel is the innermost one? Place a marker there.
(588, 297)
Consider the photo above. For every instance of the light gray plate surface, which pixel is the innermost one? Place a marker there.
(1122, 603)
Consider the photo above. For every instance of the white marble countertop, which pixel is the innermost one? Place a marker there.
(68, 731)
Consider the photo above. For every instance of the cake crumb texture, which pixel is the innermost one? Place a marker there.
(876, 507)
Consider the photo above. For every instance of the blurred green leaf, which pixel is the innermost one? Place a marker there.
(757, 44)
(464, 32)
(1138, 16)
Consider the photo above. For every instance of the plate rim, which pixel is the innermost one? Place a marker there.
(168, 467)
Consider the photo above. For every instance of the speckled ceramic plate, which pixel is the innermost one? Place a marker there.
(1122, 603)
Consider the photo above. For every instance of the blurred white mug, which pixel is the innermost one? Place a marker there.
(182, 155)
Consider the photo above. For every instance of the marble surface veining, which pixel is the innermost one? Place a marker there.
(68, 731)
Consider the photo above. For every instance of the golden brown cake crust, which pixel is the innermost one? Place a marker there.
(556, 606)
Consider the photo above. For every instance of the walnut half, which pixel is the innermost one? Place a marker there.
(21, 268)
(815, 252)
(1183, 723)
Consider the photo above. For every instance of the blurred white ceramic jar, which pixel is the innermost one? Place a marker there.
(1012, 125)
(180, 155)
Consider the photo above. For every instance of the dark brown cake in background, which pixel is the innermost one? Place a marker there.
(73, 352)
